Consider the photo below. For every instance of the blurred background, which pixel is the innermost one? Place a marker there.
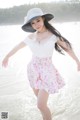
(16, 96)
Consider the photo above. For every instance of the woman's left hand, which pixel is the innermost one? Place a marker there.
(78, 66)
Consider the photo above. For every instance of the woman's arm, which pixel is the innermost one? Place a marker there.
(70, 52)
(12, 52)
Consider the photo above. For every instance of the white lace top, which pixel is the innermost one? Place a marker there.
(44, 48)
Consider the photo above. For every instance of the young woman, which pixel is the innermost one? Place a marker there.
(43, 76)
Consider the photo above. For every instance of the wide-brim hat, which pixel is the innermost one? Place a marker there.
(33, 14)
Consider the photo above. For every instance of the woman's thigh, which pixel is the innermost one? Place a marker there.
(36, 91)
(42, 98)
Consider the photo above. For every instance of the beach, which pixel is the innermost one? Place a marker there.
(16, 95)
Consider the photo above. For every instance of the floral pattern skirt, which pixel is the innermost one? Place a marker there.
(42, 74)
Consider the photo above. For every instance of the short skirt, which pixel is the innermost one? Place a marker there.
(42, 74)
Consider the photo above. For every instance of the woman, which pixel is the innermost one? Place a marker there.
(43, 76)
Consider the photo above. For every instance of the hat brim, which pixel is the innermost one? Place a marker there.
(27, 26)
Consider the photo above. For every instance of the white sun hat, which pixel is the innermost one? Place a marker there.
(33, 14)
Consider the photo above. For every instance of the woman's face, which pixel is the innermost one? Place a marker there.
(38, 24)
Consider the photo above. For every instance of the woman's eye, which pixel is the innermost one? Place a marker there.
(38, 20)
(32, 23)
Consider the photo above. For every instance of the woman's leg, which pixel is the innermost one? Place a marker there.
(42, 99)
(35, 91)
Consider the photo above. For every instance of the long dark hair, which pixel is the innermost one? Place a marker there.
(57, 33)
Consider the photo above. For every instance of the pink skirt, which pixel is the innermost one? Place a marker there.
(42, 74)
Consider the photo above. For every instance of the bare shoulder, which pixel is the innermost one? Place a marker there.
(31, 36)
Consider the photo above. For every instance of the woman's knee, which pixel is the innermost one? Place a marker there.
(41, 105)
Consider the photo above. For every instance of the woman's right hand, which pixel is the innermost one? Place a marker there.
(5, 62)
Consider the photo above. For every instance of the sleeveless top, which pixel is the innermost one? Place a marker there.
(44, 48)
